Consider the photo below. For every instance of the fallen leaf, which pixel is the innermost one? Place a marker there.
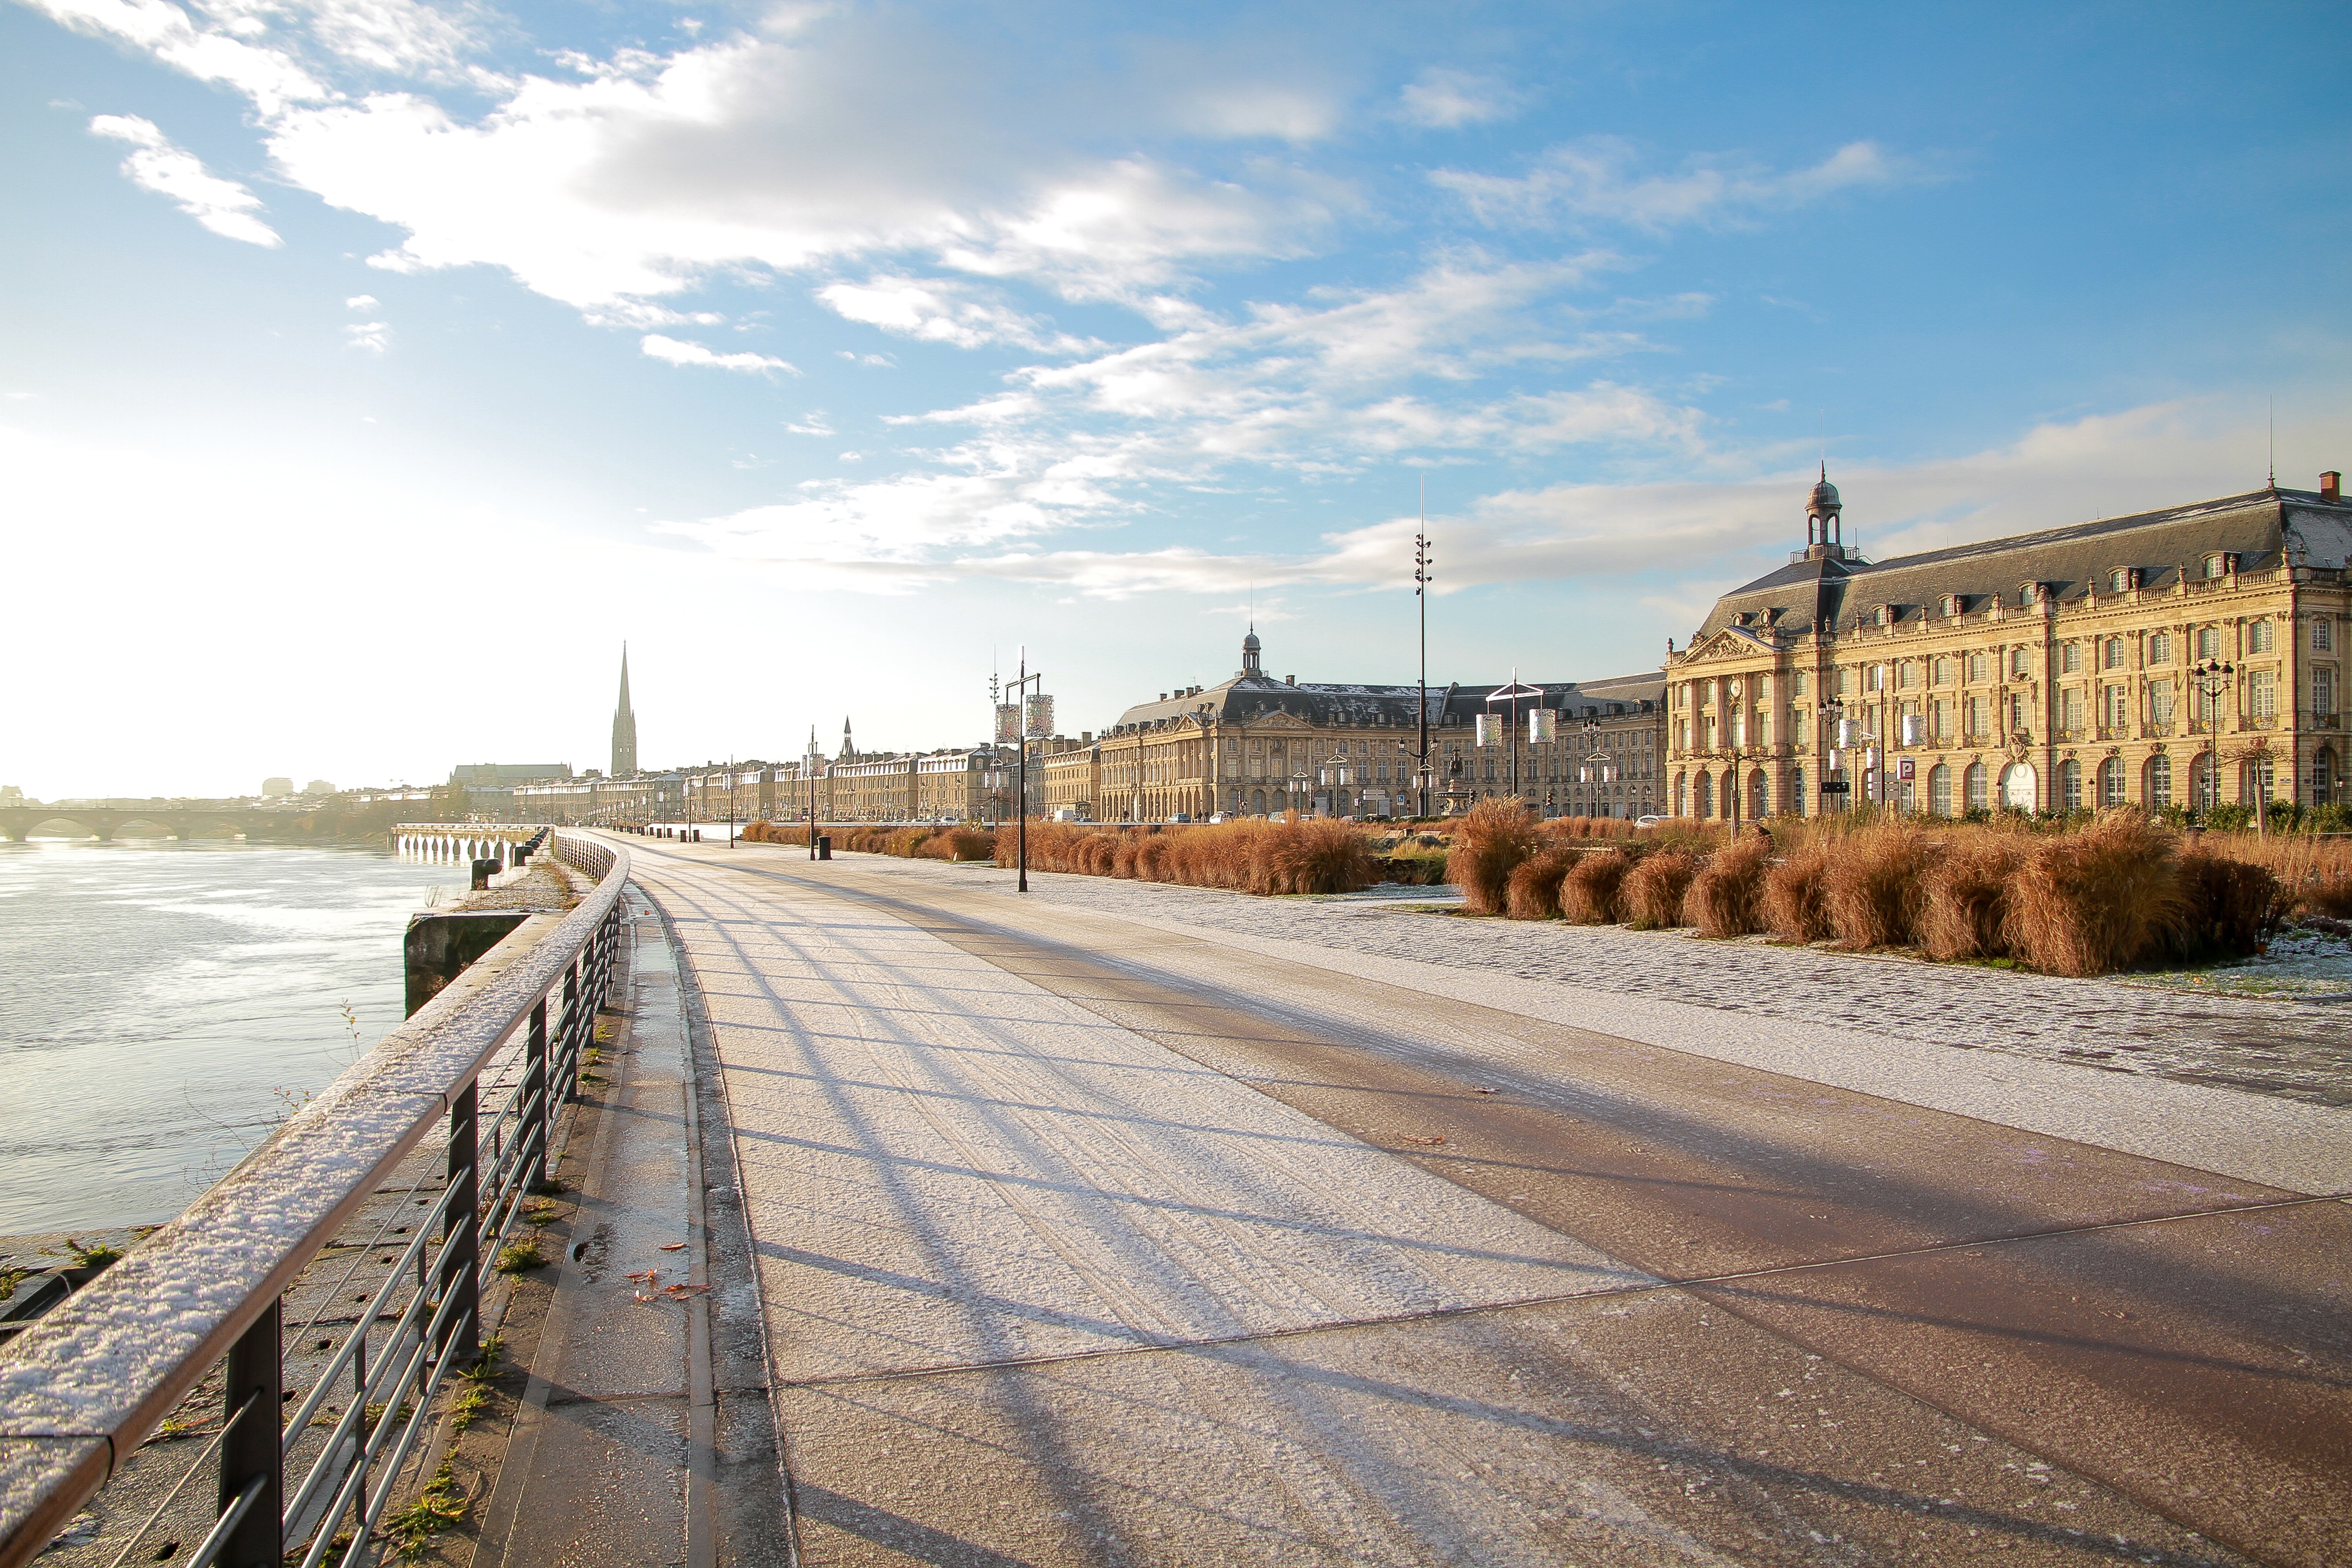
(1427, 1142)
(672, 1246)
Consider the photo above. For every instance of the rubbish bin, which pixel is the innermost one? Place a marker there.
(824, 845)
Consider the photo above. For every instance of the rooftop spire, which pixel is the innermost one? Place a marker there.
(625, 725)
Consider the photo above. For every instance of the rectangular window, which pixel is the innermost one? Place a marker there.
(2018, 720)
(2209, 642)
(1979, 668)
(2070, 658)
(1797, 683)
(2117, 707)
(2160, 701)
(2070, 708)
(2265, 694)
(2323, 634)
(2258, 637)
(1943, 714)
(2021, 664)
(2322, 692)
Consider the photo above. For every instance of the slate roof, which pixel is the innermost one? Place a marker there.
(2261, 527)
(1251, 698)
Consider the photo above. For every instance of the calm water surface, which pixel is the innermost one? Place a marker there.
(163, 1006)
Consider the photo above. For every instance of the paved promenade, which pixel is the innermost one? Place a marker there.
(1125, 1225)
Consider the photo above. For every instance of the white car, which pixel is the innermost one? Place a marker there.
(1648, 822)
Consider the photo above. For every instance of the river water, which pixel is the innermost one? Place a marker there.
(163, 1006)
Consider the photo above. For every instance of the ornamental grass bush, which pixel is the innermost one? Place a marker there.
(1533, 891)
(1493, 839)
(1588, 893)
(1876, 889)
(2228, 908)
(1651, 898)
(1966, 914)
(958, 844)
(1317, 856)
(1726, 896)
(1589, 827)
(1795, 905)
(2102, 899)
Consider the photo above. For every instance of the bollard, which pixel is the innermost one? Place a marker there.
(483, 871)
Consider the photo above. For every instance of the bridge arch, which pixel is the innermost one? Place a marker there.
(49, 828)
(144, 827)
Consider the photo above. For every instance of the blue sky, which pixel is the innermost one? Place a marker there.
(372, 368)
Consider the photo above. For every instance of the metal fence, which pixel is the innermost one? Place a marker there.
(313, 1432)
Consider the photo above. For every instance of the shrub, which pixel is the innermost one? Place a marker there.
(1795, 906)
(1588, 893)
(1315, 855)
(1967, 909)
(1493, 839)
(2099, 900)
(959, 844)
(1533, 891)
(1877, 887)
(1726, 897)
(1652, 894)
(2229, 909)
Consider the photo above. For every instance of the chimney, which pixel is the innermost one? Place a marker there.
(1291, 680)
(2331, 486)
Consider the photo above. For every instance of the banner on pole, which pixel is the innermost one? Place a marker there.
(1008, 723)
(1041, 717)
(1543, 725)
(1490, 728)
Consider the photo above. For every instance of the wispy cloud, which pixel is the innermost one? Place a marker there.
(374, 336)
(677, 351)
(157, 164)
(1601, 180)
(946, 311)
(1446, 100)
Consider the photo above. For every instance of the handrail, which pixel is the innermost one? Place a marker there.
(84, 1386)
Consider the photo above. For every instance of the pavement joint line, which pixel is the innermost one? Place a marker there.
(1521, 1303)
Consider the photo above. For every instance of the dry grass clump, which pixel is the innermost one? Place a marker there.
(1589, 827)
(1314, 855)
(1726, 897)
(1967, 912)
(1651, 896)
(2228, 907)
(1493, 839)
(958, 844)
(1588, 893)
(1533, 891)
(1876, 893)
(1795, 905)
(2095, 902)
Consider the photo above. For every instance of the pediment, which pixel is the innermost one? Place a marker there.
(1732, 642)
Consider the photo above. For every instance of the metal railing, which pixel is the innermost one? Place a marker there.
(483, 1065)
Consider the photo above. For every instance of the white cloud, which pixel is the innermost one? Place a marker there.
(155, 165)
(677, 351)
(360, 302)
(374, 336)
(1598, 181)
(944, 311)
(813, 424)
(1446, 99)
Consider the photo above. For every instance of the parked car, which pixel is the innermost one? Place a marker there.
(1647, 822)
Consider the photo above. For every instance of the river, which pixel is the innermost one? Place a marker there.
(163, 1005)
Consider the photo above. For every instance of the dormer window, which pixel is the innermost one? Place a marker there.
(1883, 615)
(1950, 605)
(2122, 579)
(2028, 595)
(2220, 565)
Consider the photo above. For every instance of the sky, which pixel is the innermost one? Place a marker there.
(371, 370)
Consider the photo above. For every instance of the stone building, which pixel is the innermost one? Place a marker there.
(1067, 780)
(1256, 746)
(2190, 656)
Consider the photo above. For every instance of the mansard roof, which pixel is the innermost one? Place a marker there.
(1827, 593)
(1255, 700)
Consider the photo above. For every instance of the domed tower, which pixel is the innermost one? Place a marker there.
(1825, 526)
(1251, 649)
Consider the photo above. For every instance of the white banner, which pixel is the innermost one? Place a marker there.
(1543, 725)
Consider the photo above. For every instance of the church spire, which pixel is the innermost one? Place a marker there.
(625, 725)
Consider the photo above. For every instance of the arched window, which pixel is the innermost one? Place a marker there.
(1703, 794)
(2159, 781)
(2111, 782)
(1978, 788)
(1939, 790)
(2205, 783)
(2070, 785)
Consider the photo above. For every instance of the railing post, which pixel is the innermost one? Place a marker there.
(461, 1232)
(577, 1031)
(535, 1092)
(250, 1453)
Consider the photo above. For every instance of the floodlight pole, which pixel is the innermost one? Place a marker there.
(1421, 576)
(1021, 684)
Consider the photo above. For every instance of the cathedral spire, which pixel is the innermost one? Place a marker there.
(625, 725)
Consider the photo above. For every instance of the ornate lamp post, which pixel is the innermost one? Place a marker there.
(2206, 681)
(1335, 775)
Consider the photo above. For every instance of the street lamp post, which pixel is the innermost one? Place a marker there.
(1020, 686)
(1336, 775)
(1422, 577)
(1511, 694)
(2208, 681)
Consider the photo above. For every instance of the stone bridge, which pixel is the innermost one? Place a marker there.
(20, 823)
